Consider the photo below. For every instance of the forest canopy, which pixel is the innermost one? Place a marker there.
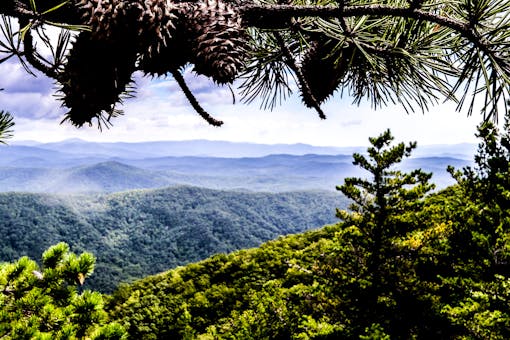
(414, 53)
(404, 262)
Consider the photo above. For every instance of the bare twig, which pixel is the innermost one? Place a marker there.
(193, 101)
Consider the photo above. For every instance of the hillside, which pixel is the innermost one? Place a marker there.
(138, 233)
(263, 289)
(440, 279)
(406, 262)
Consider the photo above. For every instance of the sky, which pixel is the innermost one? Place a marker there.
(160, 112)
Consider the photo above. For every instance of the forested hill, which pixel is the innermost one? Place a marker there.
(257, 293)
(138, 233)
(403, 263)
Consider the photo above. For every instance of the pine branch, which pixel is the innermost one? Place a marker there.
(193, 101)
(303, 84)
(472, 41)
(30, 52)
(255, 15)
(14, 8)
(66, 14)
(252, 12)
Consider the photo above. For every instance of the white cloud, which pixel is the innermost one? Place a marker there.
(161, 112)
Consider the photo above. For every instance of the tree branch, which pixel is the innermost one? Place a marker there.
(303, 84)
(493, 50)
(252, 12)
(30, 53)
(14, 8)
(193, 101)
(67, 14)
(256, 15)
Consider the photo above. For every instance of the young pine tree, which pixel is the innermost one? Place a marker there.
(48, 303)
(385, 209)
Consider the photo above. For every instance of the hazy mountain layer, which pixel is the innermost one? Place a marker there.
(275, 173)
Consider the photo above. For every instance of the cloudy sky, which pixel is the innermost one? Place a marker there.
(160, 112)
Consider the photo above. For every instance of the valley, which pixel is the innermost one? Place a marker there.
(143, 232)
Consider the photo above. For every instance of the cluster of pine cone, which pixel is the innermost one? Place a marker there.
(154, 36)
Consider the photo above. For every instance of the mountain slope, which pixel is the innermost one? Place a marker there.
(108, 177)
(138, 233)
(210, 292)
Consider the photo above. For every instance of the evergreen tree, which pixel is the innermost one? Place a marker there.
(487, 189)
(48, 302)
(479, 249)
(403, 264)
(6, 125)
(386, 208)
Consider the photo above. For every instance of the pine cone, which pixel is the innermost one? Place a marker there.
(324, 69)
(150, 25)
(95, 76)
(167, 34)
(101, 16)
(156, 25)
(171, 49)
(217, 40)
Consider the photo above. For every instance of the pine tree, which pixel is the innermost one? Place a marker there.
(385, 210)
(384, 203)
(49, 303)
(478, 283)
(6, 125)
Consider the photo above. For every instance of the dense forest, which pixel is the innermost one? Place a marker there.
(404, 262)
(137, 233)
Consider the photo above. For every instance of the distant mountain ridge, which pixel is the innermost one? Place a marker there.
(208, 148)
(82, 167)
(200, 148)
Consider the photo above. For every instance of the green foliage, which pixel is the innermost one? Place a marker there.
(404, 263)
(262, 293)
(6, 125)
(344, 281)
(480, 256)
(384, 205)
(138, 233)
(47, 302)
(6, 119)
(386, 209)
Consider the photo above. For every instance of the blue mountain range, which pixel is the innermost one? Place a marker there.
(77, 166)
